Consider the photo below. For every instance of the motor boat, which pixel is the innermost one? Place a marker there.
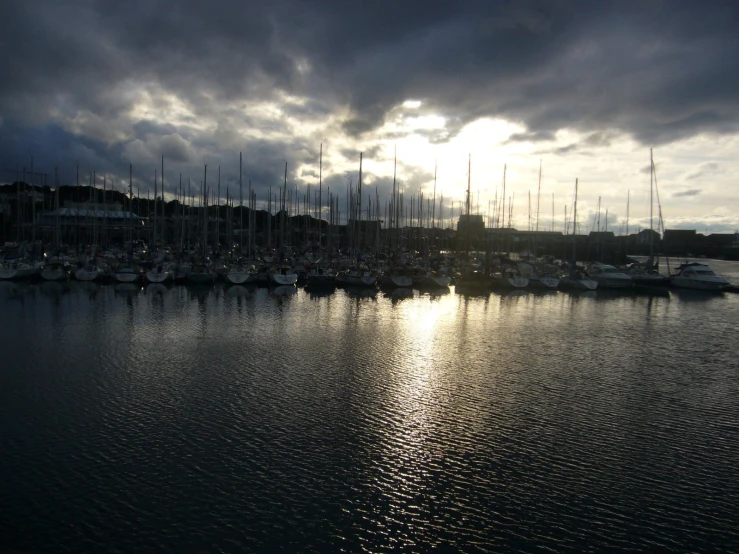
(609, 276)
(697, 276)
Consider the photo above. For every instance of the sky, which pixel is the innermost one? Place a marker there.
(581, 89)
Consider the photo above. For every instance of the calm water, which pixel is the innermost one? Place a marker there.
(232, 420)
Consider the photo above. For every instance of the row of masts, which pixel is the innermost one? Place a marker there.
(401, 213)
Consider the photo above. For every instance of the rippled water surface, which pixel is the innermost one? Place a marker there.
(241, 419)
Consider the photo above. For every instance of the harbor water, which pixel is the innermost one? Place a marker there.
(236, 419)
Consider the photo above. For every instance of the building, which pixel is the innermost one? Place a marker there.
(472, 224)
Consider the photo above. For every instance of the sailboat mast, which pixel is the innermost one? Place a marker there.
(359, 215)
(164, 215)
(467, 206)
(574, 226)
(241, 212)
(651, 203)
(282, 211)
(320, 196)
(538, 197)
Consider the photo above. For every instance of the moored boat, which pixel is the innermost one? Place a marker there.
(697, 276)
(432, 279)
(283, 275)
(357, 277)
(14, 269)
(321, 277)
(55, 271)
(159, 274)
(609, 277)
(127, 274)
(240, 275)
(397, 279)
(201, 275)
(89, 272)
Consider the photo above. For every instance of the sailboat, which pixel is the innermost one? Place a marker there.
(241, 274)
(160, 274)
(15, 269)
(283, 275)
(319, 276)
(55, 270)
(647, 274)
(576, 277)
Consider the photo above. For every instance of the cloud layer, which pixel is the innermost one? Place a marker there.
(108, 83)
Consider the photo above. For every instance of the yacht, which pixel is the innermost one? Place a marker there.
(432, 279)
(697, 276)
(609, 276)
(508, 278)
(201, 274)
(127, 274)
(241, 274)
(15, 269)
(361, 277)
(55, 271)
(89, 272)
(159, 274)
(283, 276)
(321, 277)
(397, 279)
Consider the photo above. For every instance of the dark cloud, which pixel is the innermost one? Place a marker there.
(533, 136)
(704, 170)
(689, 192)
(75, 75)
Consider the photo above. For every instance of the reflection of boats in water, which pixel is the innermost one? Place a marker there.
(356, 291)
(320, 291)
(156, 288)
(126, 288)
(401, 293)
(283, 290)
(511, 293)
(237, 291)
(9, 289)
(52, 288)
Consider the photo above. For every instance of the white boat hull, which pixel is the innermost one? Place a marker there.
(357, 280)
(126, 277)
(54, 274)
(240, 277)
(283, 279)
(88, 275)
(17, 272)
(158, 276)
(8, 273)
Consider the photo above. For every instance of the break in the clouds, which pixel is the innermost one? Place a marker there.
(586, 87)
